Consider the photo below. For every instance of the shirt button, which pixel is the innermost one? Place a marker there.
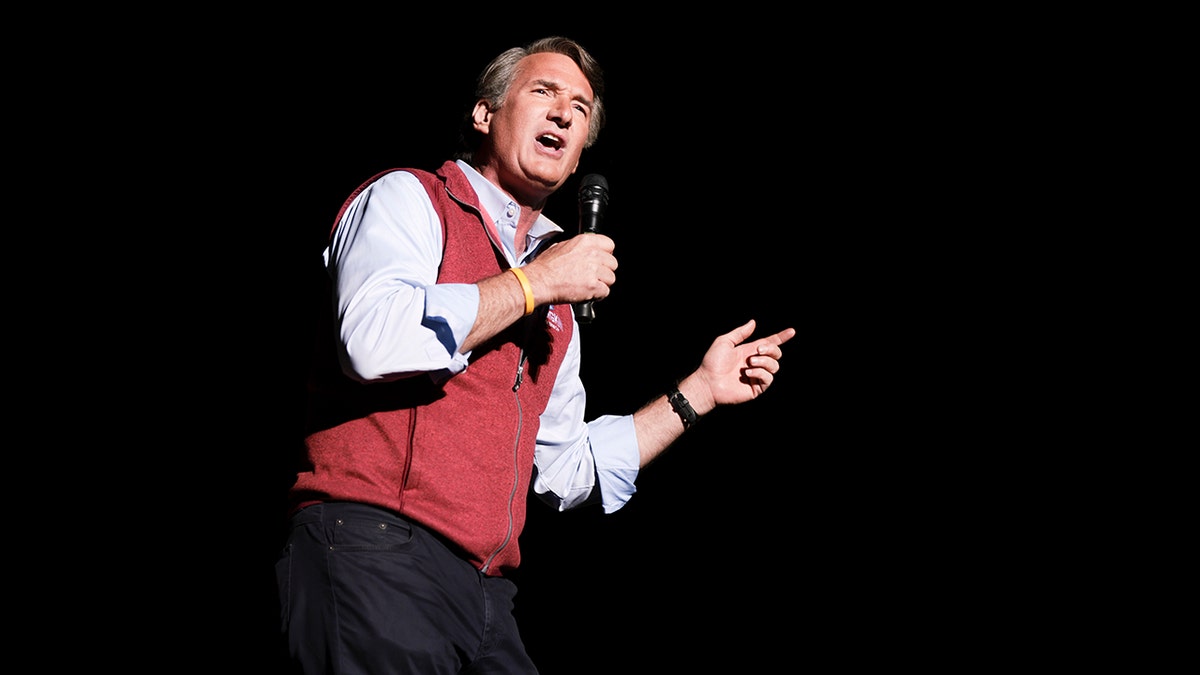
(511, 211)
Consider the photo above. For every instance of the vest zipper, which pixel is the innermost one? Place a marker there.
(520, 373)
(516, 466)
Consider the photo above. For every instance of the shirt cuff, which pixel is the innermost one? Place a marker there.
(450, 311)
(614, 446)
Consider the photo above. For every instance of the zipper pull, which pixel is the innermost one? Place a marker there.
(520, 371)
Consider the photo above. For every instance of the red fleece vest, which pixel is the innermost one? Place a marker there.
(456, 458)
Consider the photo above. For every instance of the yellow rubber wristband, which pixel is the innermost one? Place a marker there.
(525, 287)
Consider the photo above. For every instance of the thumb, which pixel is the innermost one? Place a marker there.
(738, 335)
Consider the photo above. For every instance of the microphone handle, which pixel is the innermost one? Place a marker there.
(584, 313)
(593, 200)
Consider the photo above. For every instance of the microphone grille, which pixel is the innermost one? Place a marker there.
(593, 180)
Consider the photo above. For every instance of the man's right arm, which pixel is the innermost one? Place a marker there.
(394, 319)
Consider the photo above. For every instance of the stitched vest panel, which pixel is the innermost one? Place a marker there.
(456, 458)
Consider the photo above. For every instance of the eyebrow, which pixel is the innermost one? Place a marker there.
(557, 87)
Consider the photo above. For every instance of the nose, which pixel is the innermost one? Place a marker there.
(562, 112)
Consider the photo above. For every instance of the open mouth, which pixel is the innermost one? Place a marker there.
(551, 141)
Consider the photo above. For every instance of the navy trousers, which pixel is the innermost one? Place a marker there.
(364, 591)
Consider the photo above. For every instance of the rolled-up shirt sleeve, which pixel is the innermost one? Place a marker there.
(394, 320)
(617, 460)
(574, 458)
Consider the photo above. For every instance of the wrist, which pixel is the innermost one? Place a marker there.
(682, 407)
(525, 288)
(697, 392)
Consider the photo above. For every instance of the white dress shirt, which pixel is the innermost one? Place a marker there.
(397, 321)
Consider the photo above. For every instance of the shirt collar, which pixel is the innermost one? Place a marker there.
(496, 202)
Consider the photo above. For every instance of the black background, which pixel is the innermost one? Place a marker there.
(757, 169)
(707, 191)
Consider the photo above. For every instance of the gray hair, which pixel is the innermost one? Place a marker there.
(497, 77)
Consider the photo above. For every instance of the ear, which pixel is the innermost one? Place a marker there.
(482, 114)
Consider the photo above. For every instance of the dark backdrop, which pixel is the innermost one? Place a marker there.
(753, 172)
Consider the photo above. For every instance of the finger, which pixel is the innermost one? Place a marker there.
(782, 336)
(768, 363)
(769, 349)
(738, 335)
(758, 376)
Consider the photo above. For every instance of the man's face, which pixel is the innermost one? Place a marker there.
(538, 134)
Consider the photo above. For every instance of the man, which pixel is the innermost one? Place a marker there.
(451, 388)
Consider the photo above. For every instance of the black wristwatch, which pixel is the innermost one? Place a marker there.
(682, 408)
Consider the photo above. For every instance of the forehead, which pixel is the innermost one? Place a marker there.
(556, 68)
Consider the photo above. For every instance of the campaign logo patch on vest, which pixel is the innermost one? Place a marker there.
(553, 320)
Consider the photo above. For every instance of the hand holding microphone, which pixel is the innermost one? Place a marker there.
(578, 270)
(593, 200)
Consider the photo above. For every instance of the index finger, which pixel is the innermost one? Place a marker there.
(782, 336)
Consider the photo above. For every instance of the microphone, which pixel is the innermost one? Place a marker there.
(593, 200)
